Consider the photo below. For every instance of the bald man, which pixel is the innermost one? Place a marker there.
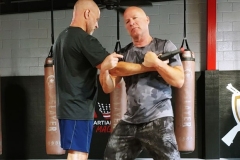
(148, 122)
(77, 56)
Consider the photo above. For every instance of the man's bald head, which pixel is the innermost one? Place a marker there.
(82, 5)
(86, 15)
(134, 9)
(136, 22)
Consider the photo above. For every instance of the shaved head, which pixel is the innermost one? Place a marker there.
(82, 5)
(140, 11)
(136, 23)
(86, 15)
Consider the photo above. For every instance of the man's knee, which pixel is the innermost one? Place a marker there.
(77, 155)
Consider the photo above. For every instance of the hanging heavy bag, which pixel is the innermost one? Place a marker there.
(52, 127)
(184, 100)
(118, 103)
(184, 105)
(53, 146)
(118, 98)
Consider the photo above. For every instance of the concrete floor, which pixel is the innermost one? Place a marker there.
(147, 159)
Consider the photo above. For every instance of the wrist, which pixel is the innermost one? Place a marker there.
(104, 71)
(159, 64)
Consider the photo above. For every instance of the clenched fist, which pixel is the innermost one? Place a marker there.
(110, 61)
(152, 60)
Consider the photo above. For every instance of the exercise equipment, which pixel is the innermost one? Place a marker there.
(184, 105)
(118, 98)
(184, 100)
(118, 103)
(168, 55)
(53, 146)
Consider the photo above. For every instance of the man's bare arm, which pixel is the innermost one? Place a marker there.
(172, 75)
(107, 81)
(110, 78)
(128, 69)
(109, 62)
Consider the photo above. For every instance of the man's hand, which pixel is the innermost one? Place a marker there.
(110, 61)
(152, 60)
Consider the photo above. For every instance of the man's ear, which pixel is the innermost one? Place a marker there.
(148, 19)
(86, 13)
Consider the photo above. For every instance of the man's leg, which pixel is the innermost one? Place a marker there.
(76, 155)
(159, 139)
(122, 144)
(76, 137)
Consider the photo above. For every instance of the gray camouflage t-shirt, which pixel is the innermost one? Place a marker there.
(148, 95)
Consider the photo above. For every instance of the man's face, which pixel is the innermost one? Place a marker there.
(94, 16)
(136, 22)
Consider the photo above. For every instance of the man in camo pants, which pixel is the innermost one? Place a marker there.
(148, 122)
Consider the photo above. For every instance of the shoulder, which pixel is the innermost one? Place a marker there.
(78, 32)
(89, 39)
(126, 48)
(169, 46)
(158, 40)
(167, 42)
(159, 44)
(74, 34)
(75, 30)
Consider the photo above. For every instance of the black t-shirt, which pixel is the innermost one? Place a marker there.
(76, 55)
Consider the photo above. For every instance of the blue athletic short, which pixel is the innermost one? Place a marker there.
(76, 134)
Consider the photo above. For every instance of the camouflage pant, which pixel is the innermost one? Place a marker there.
(128, 140)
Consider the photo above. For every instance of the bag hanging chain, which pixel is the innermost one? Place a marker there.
(118, 45)
(184, 28)
(52, 31)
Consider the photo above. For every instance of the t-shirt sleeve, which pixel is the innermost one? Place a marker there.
(175, 60)
(93, 50)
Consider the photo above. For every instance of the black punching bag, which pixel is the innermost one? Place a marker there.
(52, 127)
(184, 105)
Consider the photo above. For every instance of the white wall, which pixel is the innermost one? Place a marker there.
(228, 34)
(25, 39)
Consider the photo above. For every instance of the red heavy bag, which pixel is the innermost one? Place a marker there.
(52, 126)
(184, 105)
(118, 103)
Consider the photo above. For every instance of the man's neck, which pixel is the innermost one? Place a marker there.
(142, 41)
(78, 24)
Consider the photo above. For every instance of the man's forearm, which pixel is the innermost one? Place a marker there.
(106, 81)
(128, 69)
(172, 75)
